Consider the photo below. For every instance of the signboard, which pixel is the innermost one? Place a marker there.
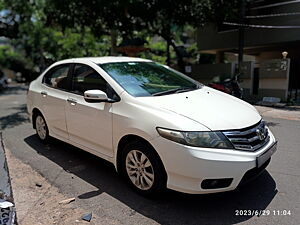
(275, 68)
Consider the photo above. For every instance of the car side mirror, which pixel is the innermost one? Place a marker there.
(95, 96)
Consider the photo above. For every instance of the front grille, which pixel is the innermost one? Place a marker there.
(250, 138)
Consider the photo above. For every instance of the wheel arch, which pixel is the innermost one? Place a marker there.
(134, 138)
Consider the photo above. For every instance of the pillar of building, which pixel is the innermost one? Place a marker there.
(219, 57)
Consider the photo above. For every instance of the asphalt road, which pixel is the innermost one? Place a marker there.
(98, 188)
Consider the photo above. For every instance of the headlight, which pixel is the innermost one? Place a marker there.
(205, 139)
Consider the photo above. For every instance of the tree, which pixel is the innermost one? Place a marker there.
(48, 30)
(156, 17)
(41, 44)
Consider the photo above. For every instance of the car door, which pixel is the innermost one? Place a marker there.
(54, 96)
(89, 124)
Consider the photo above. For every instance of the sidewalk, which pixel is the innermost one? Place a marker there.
(288, 113)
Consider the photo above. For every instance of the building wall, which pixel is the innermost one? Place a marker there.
(246, 78)
(206, 72)
(263, 56)
(273, 77)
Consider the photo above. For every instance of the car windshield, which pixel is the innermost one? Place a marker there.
(148, 78)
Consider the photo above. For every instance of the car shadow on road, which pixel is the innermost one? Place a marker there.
(272, 124)
(14, 119)
(170, 208)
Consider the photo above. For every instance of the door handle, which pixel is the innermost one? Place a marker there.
(72, 101)
(44, 94)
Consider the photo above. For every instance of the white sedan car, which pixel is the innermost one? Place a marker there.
(160, 128)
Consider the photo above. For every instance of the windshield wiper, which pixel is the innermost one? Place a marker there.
(186, 89)
(170, 91)
(175, 90)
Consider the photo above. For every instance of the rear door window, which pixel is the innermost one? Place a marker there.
(57, 77)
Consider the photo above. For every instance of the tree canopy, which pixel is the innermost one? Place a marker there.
(44, 31)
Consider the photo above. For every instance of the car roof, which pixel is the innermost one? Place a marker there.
(105, 59)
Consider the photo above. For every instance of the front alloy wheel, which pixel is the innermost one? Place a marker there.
(139, 170)
(142, 168)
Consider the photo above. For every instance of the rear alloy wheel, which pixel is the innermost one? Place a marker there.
(41, 128)
(143, 169)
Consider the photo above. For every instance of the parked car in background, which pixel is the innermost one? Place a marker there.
(3, 81)
(160, 128)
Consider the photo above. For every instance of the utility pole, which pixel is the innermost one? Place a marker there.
(241, 35)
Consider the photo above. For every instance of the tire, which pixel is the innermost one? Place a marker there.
(142, 169)
(41, 128)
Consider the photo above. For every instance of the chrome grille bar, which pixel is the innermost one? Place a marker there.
(249, 139)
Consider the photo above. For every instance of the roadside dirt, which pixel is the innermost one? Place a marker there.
(37, 201)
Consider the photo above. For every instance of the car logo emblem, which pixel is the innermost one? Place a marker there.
(260, 134)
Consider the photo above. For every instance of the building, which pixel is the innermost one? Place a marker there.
(265, 73)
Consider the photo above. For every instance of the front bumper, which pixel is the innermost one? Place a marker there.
(187, 167)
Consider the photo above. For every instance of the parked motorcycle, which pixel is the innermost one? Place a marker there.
(230, 86)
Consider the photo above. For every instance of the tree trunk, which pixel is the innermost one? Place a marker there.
(180, 61)
(113, 42)
(42, 60)
(168, 61)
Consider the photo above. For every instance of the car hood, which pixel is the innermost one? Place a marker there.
(213, 109)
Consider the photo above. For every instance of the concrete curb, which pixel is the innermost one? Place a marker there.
(7, 208)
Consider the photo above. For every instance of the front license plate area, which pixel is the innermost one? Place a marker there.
(260, 160)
